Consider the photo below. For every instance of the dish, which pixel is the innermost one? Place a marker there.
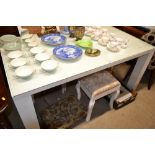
(84, 43)
(33, 44)
(36, 50)
(12, 46)
(42, 56)
(53, 39)
(8, 38)
(49, 65)
(18, 62)
(26, 36)
(92, 52)
(67, 52)
(15, 54)
(24, 71)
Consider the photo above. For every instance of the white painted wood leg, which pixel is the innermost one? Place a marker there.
(78, 90)
(138, 71)
(90, 108)
(63, 88)
(26, 110)
(113, 97)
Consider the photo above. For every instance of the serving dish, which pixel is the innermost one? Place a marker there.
(15, 54)
(26, 36)
(18, 62)
(49, 65)
(92, 52)
(24, 71)
(67, 52)
(42, 56)
(53, 39)
(12, 46)
(84, 43)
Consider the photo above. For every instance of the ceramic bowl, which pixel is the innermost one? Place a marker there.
(42, 56)
(24, 71)
(15, 54)
(37, 50)
(18, 62)
(8, 38)
(49, 65)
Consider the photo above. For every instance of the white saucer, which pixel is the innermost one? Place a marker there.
(18, 62)
(15, 54)
(26, 36)
(36, 50)
(33, 44)
(49, 65)
(24, 71)
(42, 56)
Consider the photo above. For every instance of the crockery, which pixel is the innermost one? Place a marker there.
(113, 46)
(49, 65)
(53, 39)
(42, 56)
(18, 62)
(26, 36)
(15, 54)
(12, 46)
(8, 38)
(84, 43)
(33, 44)
(92, 52)
(67, 52)
(36, 50)
(24, 71)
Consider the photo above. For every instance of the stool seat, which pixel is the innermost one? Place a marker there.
(96, 86)
(98, 83)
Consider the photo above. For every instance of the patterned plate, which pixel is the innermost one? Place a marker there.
(67, 52)
(53, 39)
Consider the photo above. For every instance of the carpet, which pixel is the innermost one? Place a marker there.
(64, 114)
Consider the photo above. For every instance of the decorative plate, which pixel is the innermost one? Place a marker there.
(53, 39)
(67, 52)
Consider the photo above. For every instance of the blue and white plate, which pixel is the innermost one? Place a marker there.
(53, 39)
(67, 52)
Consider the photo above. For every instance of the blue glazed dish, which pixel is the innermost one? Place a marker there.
(53, 39)
(67, 52)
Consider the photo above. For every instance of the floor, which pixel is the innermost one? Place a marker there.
(138, 114)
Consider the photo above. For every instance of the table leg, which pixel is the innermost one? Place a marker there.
(26, 110)
(138, 71)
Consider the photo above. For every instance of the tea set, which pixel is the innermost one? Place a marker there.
(64, 52)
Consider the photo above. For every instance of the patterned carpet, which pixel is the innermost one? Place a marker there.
(66, 113)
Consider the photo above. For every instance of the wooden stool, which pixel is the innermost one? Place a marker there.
(96, 86)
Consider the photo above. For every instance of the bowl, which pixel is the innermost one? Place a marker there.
(15, 54)
(8, 38)
(24, 71)
(49, 65)
(18, 62)
(42, 56)
(84, 43)
(37, 50)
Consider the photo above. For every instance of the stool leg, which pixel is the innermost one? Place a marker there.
(90, 108)
(78, 90)
(113, 97)
(63, 88)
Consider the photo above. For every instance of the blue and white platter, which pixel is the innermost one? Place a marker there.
(53, 39)
(67, 52)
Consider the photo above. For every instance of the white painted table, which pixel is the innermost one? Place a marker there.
(22, 91)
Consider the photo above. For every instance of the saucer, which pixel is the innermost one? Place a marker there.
(49, 65)
(36, 50)
(15, 54)
(26, 36)
(24, 71)
(33, 44)
(18, 62)
(42, 56)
